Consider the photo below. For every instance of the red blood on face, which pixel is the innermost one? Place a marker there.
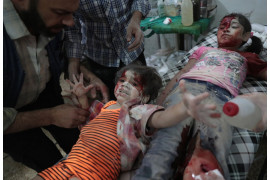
(201, 161)
(230, 33)
(123, 75)
(129, 84)
(226, 22)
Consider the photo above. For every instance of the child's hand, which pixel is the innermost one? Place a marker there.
(78, 88)
(196, 109)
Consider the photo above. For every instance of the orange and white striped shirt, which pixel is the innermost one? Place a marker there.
(99, 149)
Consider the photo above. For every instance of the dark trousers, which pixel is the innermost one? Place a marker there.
(32, 147)
(107, 74)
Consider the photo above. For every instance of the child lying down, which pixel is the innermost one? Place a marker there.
(111, 142)
(220, 72)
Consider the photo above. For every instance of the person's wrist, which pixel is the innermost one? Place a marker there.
(74, 60)
(87, 73)
(50, 113)
(137, 17)
(84, 102)
(74, 64)
(185, 110)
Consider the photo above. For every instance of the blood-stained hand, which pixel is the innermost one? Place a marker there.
(78, 87)
(195, 108)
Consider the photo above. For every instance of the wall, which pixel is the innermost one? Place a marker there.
(255, 10)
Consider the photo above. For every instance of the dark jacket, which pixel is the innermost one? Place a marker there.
(13, 76)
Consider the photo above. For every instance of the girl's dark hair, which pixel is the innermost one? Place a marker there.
(256, 45)
(150, 78)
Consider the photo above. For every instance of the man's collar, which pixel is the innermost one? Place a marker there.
(12, 21)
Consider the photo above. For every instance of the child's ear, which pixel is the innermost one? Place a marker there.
(145, 99)
(246, 36)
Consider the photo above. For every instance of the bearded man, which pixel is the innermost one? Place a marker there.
(31, 53)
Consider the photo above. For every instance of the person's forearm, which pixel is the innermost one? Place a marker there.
(142, 6)
(74, 66)
(171, 116)
(87, 73)
(83, 100)
(136, 17)
(30, 119)
(165, 92)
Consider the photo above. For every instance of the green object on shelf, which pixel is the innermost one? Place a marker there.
(176, 26)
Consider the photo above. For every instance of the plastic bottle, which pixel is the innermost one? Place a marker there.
(196, 10)
(203, 7)
(187, 12)
(242, 113)
(161, 8)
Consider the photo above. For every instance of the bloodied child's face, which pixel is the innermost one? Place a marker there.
(201, 162)
(231, 34)
(128, 87)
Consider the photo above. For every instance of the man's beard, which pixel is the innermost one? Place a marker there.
(33, 20)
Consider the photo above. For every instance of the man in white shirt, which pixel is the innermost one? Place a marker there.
(32, 98)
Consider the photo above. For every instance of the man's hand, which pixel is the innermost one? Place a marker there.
(98, 85)
(196, 109)
(134, 30)
(68, 116)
